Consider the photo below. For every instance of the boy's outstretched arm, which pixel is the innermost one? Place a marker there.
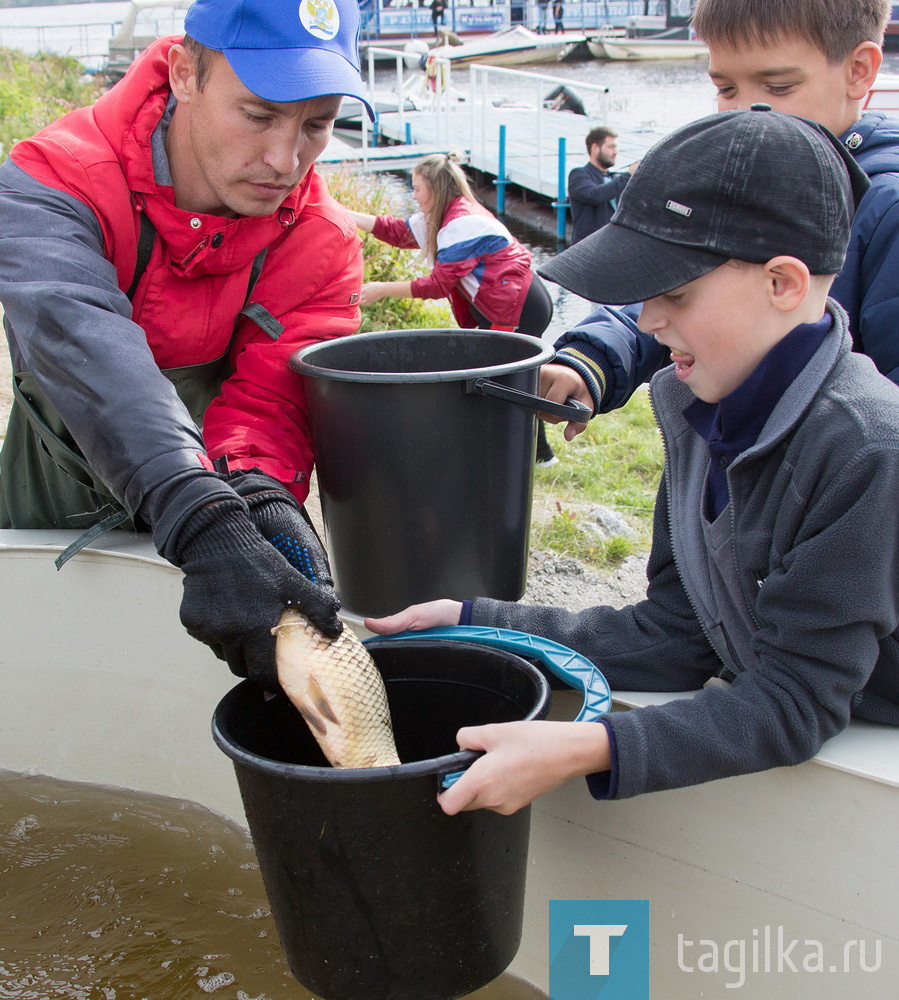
(417, 616)
(523, 761)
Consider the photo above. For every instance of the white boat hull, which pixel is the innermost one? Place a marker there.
(884, 95)
(638, 49)
(102, 684)
(515, 47)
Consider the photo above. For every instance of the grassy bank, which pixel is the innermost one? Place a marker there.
(615, 463)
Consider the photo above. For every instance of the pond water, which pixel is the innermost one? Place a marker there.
(117, 895)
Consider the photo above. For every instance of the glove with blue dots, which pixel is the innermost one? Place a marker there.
(281, 521)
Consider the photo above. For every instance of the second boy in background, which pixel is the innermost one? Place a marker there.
(813, 58)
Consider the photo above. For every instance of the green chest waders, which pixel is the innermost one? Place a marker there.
(46, 482)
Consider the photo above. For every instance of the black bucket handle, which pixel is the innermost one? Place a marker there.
(571, 409)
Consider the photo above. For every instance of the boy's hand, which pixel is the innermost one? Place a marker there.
(417, 617)
(559, 383)
(524, 760)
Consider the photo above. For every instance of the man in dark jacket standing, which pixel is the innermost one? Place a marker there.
(592, 191)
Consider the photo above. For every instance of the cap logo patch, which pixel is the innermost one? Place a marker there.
(320, 18)
(676, 206)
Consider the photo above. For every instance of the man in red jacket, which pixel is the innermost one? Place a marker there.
(162, 255)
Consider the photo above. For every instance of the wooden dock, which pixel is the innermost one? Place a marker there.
(531, 154)
(502, 123)
(402, 156)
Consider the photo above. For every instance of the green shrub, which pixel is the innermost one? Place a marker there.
(36, 90)
(365, 193)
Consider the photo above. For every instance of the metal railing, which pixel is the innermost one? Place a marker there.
(89, 43)
(483, 79)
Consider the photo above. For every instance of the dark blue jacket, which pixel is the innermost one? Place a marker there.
(868, 286)
(591, 193)
(614, 357)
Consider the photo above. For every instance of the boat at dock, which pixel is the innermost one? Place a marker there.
(103, 685)
(656, 47)
(884, 95)
(511, 47)
(144, 22)
(660, 36)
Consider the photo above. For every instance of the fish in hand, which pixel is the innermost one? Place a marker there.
(338, 690)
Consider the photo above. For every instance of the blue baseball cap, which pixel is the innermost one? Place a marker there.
(285, 50)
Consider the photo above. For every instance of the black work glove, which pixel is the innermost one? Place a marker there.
(236, 585)
(280, 519)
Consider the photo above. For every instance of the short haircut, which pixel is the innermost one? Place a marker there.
(599, 136)
(202, 58)
(835, 27)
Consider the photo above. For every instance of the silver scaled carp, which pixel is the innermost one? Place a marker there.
(338, 690)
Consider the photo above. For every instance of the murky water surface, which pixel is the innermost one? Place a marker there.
(107, 894)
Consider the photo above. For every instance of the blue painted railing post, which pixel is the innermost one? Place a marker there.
(561, 203)
(501, 175)
(374, 129)
(408, 133)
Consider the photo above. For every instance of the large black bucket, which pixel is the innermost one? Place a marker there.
(424, 446)
(376, 893)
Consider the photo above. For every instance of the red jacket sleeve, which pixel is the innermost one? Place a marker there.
(387, 229)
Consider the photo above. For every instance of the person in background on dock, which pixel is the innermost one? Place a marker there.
(773, 581)
(542, 17)
(558, 16)
(438, 15)
(593, 192)
(475, 261)
(162, 254)
(817, 59)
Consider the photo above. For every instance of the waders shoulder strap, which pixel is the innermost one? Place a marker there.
(145, 242)
(252, 310)
(259, 314)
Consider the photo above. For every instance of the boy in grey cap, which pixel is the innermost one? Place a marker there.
(775, 547)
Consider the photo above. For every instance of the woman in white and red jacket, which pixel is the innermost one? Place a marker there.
(475, 261)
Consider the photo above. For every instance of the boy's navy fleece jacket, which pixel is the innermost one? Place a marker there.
(814, 538)
(614, 357)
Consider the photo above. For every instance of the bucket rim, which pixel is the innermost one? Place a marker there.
(302, 361)
(445, 764)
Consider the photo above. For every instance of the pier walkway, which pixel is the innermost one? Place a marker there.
(501, 123)
(374, 158)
